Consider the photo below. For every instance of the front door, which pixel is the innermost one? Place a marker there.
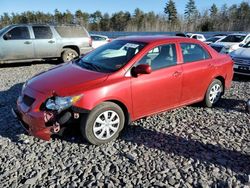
(161, 89)
(17, 44)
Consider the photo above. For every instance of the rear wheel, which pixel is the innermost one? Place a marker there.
(214, 93)
(103, 124)
(69, 54)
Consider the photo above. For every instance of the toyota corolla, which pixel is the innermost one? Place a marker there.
(120, 82)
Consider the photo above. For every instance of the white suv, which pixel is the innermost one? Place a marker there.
(231, 42)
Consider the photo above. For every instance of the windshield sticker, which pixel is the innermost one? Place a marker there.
(131, 45)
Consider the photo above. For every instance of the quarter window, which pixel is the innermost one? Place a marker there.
(160, 57)
(18, 33)
(193, 52)
(42, 32)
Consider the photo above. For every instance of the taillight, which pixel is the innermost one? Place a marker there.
(109, 40)
(90, 42)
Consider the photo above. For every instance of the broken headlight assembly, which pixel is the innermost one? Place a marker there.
(62, 103)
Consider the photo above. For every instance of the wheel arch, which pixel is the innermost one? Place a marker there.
(124, 109)
(222, 79)
(73, 47)
(218, 77)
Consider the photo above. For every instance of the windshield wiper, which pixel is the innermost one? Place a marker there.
(87, 65)
(93, 66)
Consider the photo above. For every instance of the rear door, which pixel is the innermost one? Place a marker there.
(161, 89)
(44, 42)
(198, 68)
(17, 44)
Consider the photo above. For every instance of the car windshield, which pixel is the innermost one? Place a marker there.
(111, 57)
(213, 39)
(247, 45)
(234, 38)
(3, 30)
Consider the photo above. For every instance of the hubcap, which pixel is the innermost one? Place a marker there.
(106, 125)
(215, 93)
(70, 56)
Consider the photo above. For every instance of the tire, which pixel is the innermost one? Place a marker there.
(68, 54)
(213, 93)
(106, 118)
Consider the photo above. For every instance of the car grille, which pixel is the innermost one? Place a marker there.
(217, 48)
(242, 71)
(238, 61)
(27, 100)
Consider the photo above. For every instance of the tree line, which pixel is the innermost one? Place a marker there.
(233, 18)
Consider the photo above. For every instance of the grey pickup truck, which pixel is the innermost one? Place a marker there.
(26, 42)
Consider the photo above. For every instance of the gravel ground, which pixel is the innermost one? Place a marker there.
(187, 147)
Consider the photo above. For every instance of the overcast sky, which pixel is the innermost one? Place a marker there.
(109, 6)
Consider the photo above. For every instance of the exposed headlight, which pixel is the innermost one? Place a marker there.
(61, 103)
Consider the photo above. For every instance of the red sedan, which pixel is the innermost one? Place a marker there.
(120, 82)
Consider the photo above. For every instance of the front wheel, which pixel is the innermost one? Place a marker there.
(103, 124)
(214, 93)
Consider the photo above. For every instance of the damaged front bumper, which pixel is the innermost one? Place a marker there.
(39, 123)
(34, 124)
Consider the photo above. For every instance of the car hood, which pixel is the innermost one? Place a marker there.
(241, 53)
(66, 80)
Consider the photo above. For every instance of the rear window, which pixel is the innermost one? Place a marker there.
(72, 31)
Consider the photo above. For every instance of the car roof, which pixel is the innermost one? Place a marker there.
(98, 35)
(36, 24)
(241, 34)
(194, 34)
(157, 38)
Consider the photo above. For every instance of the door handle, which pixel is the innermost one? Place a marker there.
(176, 73)
(51, 41)
(27, 42)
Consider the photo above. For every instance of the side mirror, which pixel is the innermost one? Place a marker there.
(241, 45)
(7, 36)
(141, 69)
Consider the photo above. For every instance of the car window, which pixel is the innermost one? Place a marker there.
(233, 38)
(194, 37)
(200, 37)
(72, 31)
(42, 32)
(18, 33)
(212, 39)
(193, 52)
(160, 57)
(98, 38)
